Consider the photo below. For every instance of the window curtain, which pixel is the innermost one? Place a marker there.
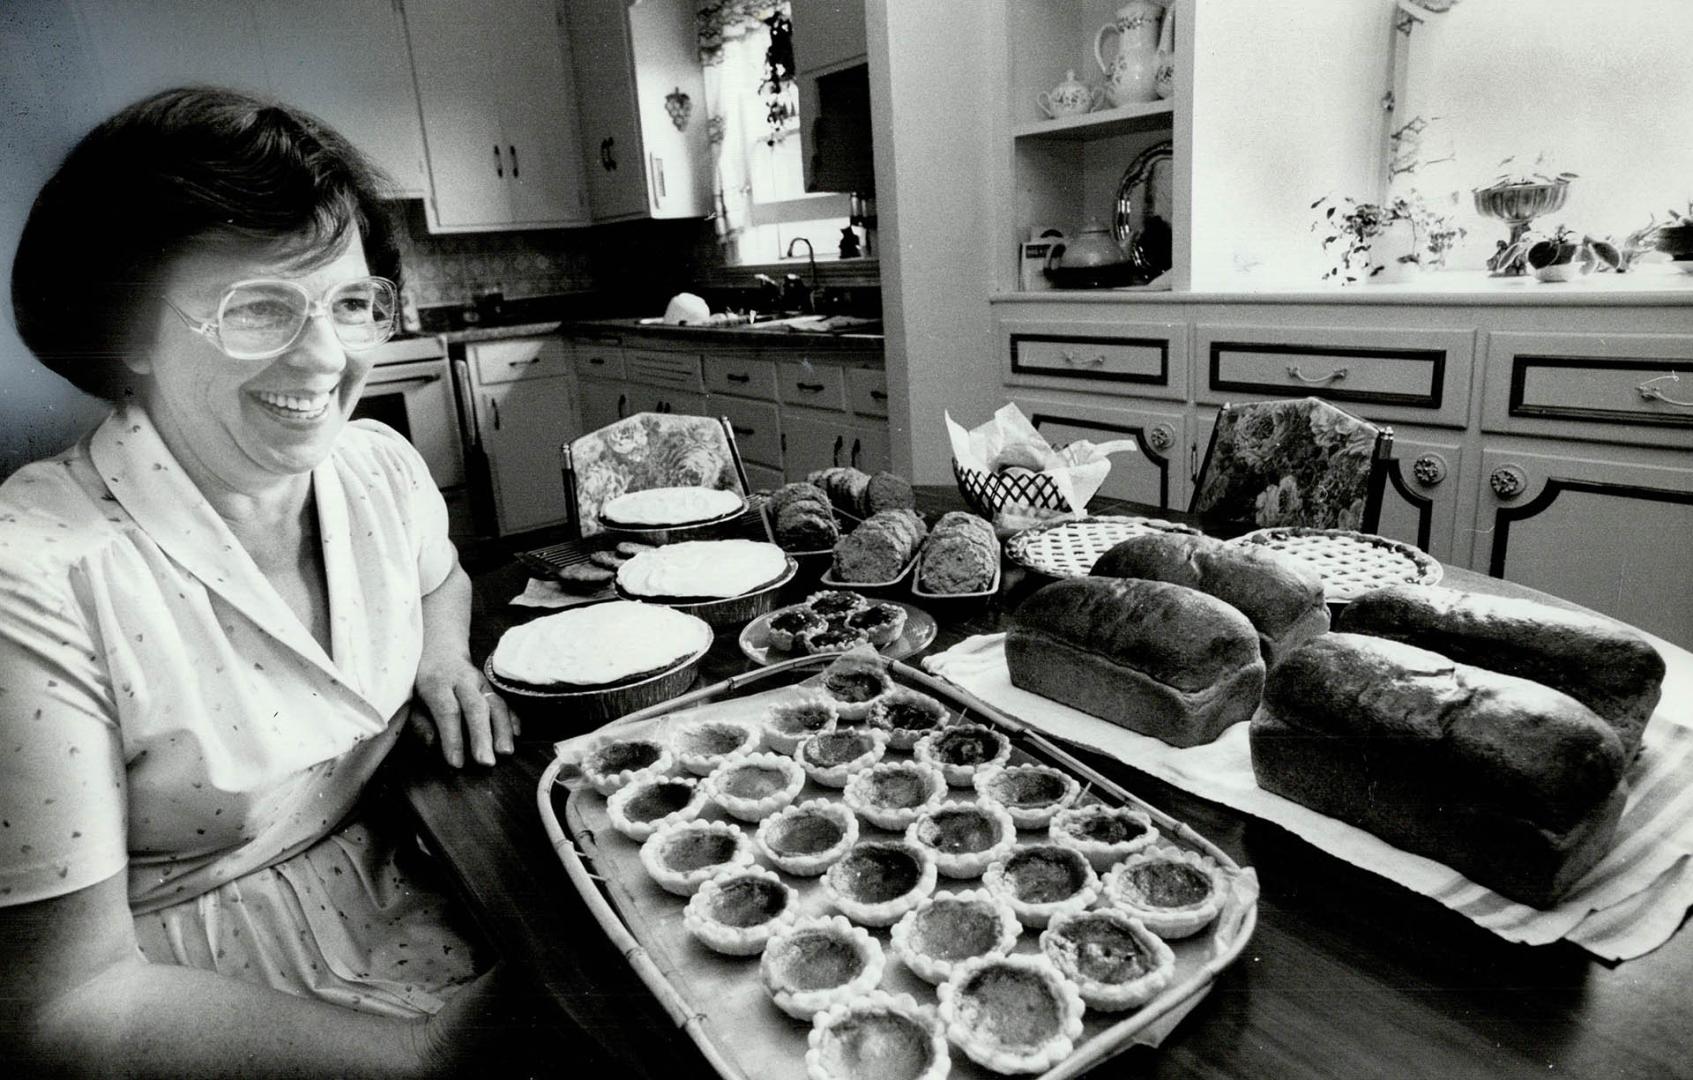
(748, 90)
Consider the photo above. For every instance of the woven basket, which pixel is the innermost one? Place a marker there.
(987, 493)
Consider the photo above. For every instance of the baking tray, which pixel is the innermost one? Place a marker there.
(720, 1002)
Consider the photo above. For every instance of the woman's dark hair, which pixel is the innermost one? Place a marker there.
(189, 166)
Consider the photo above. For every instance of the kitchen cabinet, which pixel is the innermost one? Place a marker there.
(637, 162)
(603, 403)
(830, 54)
(1155, 472)
(523, 408)
(499, 115)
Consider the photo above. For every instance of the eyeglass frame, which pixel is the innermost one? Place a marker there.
(211, 329)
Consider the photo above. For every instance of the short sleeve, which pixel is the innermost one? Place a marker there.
(63, 795)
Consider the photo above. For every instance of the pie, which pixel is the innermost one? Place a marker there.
(806, 839)
(854, 684)
(1105, 834)
(697, 570)
(751, 787)
(830, 757)
(876, 882)
(786, 723)
(907, 715)
(786, 626)
(1173, 891)
(667, 507)
(616, 763)
(1043, 881)
(948, 928)
(640, 809)
(882, 623)
(963, 750)
(815, 963)
(598, 646)
(1011, 1014)
(963, 837)
(736, 912)
(1115, 961)
(836, 603)
(701, 746)
(832, 638)
(890, 795)
(682, 857)
(1031, 794)
(879, 1036)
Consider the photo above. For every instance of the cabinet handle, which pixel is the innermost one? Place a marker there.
(743, 432)
(512, 150)
(658, 178)
(523, 363)
(499, 167)
(597, 361)
(495, 406)
(878, 395)
(853, 460)
(1649, 392)
(810, 387)
(835, 455)
(607, 161)
(622, 406)
(1073, 360)
(1336, 375)
(1193, 461)
(734, 378)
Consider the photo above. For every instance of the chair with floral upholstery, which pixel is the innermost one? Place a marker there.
(648, 450)
(1299, 462)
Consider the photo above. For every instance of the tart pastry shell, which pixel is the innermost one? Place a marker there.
(755, 809)
(698, 917)
(780, 954)
(1103, 854)
(1169, 923)
(807, 864)
(783, 742)
(607, 780)
(853, 712)
(988, 783)
(1104, 996)
(906, 738)
(961, 775)
(836, 776)
(971, 1031)
(616, 807)
(703, 762)
(906, 937)
(880, 912)
(687, 882)
(964, 864)
(1038, 914)
(859, 787)
(819, 1061)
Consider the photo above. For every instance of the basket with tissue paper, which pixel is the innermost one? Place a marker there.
(1009, 473)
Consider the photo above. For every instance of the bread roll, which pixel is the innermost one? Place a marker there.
(1512, 783)
(1157, 658)
(1602, 664)
(1280, 596)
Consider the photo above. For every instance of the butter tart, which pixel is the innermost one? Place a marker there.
(786, 626)
(1042, 881)
(751, 787)
(836, 603)
(1031, 794)
(617, 763)
(891, 795)
(1105, 834)
(879, 1036)
(854, 685)
(1011, 1014)
(815, 963)
(702, 745)
(806, 839)
(682, 857)
(737, 911)
(832, 638)
(877, 881)
(1176, 893)
(1114, 960)
(907, 715)
(949, 928)
(963, 837)
(787, 722)
(882, 623)
(831, 757)
(640, 809)
(963, 750)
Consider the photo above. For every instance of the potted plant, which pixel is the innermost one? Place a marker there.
(1382, 242)
(1675, 237)
(1517, 198)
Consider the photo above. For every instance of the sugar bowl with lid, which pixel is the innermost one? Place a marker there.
(1069, 98)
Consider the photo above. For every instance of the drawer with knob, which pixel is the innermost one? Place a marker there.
(867, 391)
(816, 386)
(518, 358)
(742, 376)
(598, 358)
(757, 427)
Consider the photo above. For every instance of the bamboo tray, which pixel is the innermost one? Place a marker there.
(720, 1002)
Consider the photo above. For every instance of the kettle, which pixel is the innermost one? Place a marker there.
(1092, 259)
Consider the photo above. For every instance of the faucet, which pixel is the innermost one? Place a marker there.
(806, 293)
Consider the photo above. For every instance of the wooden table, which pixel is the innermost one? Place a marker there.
(1348, 975)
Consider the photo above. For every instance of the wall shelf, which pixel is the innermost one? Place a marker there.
(1101, 124)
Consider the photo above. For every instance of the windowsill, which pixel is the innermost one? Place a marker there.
(862, 271)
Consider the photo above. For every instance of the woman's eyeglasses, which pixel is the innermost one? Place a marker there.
(259, 319)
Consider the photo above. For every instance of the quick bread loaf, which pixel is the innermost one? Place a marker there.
(802, 518)
(1151, 656)
(1514, 784)
(1281, 597)
(961, 555)
(1603, 664)
(880, 547)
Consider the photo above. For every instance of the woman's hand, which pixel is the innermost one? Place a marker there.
(462, 709)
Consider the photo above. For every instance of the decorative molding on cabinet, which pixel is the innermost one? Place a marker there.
(1423, 505)
(1523, 365)
(1504, 516)
(1433, 359)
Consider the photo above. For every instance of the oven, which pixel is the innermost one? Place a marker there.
(410, 389)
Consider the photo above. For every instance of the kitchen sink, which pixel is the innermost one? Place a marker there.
(820, 324)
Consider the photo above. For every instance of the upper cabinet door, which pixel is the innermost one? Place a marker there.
(538, 112)
(346, 62)
(612, 154)
(665, 44)
(827, 33)
(140, 49)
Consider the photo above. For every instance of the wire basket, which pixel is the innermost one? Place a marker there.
(986, 493)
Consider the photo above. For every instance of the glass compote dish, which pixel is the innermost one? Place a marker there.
(1518, 204)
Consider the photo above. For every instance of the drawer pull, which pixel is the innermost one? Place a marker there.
(878, 395)
(1336, 375)
(853, 460)
(1651, 393)
(743, 432)
(835, 454)
(1073, 360)
(622, 406)
(597, 361)
(523, 363)
(734, 378)
(810, 387)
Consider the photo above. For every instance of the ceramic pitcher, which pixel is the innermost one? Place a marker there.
(1131, 72)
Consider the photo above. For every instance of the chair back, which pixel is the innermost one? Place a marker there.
(648, 450)
(1300, 462)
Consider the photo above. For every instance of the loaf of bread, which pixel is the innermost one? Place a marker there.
(1280, 596)
(1603, 664)
(845, 487)
(1157, 658)
(880, 548)
(961, 555)
(1514, 784)
(802, 518)
(888, 491)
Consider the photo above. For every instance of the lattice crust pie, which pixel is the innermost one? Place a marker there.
(1106, 835)
(1031, 794)
(598, 646)
(1042, 882)
(1011, 1014)
(657, 508)
(640, 809)
(702, 570)
(891, 795)
(949, 928)
(683, 857)
(879, 1036)
(751, 787)
(736, 912)
(616, 763)
(1115, 962)
(876, 882)
(964, 837)
(1176, 893)
(963, 750)
(1350, 563)
(816, 963)
(807, 839)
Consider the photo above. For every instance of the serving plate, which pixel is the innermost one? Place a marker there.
(1067, 549)
(1350, 563)
(919, 634)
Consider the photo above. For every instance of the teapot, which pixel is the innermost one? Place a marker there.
(1069, 98)
(1131, 75)
(1092, 258)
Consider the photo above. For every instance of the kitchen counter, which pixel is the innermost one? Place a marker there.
(769, 337)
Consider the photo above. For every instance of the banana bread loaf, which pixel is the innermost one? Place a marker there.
(961, 555)
(802, 518)
(879, 548)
